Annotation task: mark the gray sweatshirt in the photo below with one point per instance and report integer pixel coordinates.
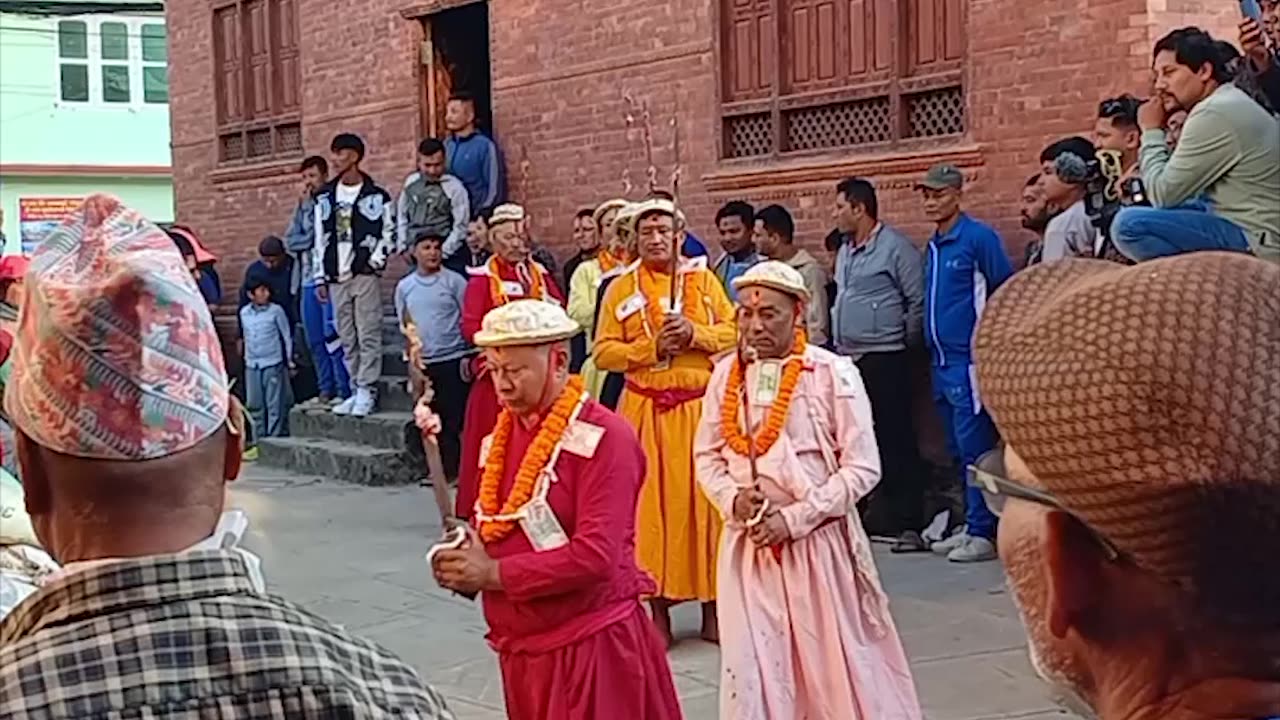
(879, 303)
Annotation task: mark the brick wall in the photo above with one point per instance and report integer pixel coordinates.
(1036, 69)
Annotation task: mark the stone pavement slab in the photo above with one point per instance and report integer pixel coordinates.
(355, 555)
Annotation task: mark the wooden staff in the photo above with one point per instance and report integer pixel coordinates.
(675, 194)
(422, 389)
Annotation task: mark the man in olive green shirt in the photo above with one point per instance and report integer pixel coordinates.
(1229, 152)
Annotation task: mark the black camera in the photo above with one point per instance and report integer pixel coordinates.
(1106, 193)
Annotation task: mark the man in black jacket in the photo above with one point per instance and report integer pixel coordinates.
(355, 233)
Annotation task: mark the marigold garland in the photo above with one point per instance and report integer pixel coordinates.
(607, 261)
(499, 295)
(531, 465)
(654, 287)
(776, 417)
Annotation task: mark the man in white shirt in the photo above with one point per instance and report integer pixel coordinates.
(1065, 166)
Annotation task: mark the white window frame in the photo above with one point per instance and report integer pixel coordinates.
(135, 63)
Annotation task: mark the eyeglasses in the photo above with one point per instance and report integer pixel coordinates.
(996, 490)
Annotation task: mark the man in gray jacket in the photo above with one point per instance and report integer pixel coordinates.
(877, 315)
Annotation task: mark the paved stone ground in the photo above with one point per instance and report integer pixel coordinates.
(355, 555)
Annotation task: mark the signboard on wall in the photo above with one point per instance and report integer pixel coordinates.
(37, 216)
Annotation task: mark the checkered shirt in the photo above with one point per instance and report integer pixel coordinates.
(187, 637)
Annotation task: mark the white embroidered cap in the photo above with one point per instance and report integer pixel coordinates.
(606, 206)
(505, 213)
(622, 221)
(660, 206)
(775, 275)
(525, 322)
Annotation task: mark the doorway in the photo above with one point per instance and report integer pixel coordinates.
(455, 58)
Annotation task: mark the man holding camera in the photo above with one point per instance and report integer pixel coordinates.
(1229, 151)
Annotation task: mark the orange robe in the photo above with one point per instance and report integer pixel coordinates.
(677, 529)
(482, 401)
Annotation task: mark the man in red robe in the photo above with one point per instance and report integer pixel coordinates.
(510, 274)
(551, 546)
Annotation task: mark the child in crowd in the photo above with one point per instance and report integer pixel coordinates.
(267, 347)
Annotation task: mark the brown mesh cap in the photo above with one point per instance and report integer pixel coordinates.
(1147, 399)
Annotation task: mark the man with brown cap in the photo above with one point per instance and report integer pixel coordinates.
(1140, 486)
(127, 435)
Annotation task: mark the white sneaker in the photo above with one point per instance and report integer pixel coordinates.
(345, 407)
(978, 549)
(365, 400)
(945, 547)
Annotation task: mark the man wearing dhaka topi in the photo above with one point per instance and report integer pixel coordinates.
(552, 551)
(511, 274)
(662, 334)
(785, 449)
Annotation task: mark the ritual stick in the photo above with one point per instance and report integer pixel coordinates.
(746, 356)
(424, 392)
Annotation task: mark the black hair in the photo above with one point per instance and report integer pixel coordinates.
(1231, 58)
(430, 146)
(428, 236)
(777, 220)
(1032, 180)
(860, 191)
(660, 194)
(317, 162)
(1194, 48)
(254, 281)
(1076, 145)
(483, 214)
(183, 245)
(271, 246)
(463, 96)
(1122, 111)
(833, 240)
(739, 209)
(585, 213)
(348, 141)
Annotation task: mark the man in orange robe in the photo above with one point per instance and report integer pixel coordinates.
(510, 274)
(553, 550)
(664, 346)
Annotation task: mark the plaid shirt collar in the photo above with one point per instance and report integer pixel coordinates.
(125, 584)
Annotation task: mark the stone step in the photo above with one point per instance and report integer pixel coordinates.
(385, 430)
(345, 462)
(393, 360)
(393, 394)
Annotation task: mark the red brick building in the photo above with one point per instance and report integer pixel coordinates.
(771, 100)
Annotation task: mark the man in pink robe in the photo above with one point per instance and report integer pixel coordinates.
(805, 630)
(560, 584)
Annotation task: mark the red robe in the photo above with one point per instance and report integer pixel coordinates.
(573, 641)
(482, 402)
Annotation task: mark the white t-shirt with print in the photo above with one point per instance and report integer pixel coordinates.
(346, 203)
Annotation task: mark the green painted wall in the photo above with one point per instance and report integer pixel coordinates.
(153, 197)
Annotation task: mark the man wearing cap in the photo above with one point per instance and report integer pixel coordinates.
(612, 383)
(584, 283)
(510, 274)
(124, 416)
(785, 449)
(1138, 507)
(964, 264)
(552, 552)
(664, 341)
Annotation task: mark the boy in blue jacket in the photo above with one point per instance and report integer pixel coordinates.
(964, 264)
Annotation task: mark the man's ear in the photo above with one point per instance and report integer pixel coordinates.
(233, 446)
(1075, 574)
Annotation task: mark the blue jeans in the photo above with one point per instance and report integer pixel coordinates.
(317, 324)
(970, 433)
(1145, 233)
(268, 398)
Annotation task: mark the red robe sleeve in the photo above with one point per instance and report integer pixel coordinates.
(475, 303)
(605, 495)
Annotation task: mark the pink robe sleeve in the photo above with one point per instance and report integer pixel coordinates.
(605, 506)
(855, 449)
(708, 444)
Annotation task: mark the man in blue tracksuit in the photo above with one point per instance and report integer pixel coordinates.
(964, 264)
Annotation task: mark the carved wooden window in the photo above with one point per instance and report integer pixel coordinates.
(257, 81)
(812, 75)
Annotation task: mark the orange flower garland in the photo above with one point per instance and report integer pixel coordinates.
(776, 417)
(499, 295)
(607, 261)
(653, 288)
(531, 465)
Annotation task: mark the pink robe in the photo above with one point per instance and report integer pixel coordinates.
(573, 641)
(807, 636)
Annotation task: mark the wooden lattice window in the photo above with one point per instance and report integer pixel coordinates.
(813, 75)
(257, 82)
